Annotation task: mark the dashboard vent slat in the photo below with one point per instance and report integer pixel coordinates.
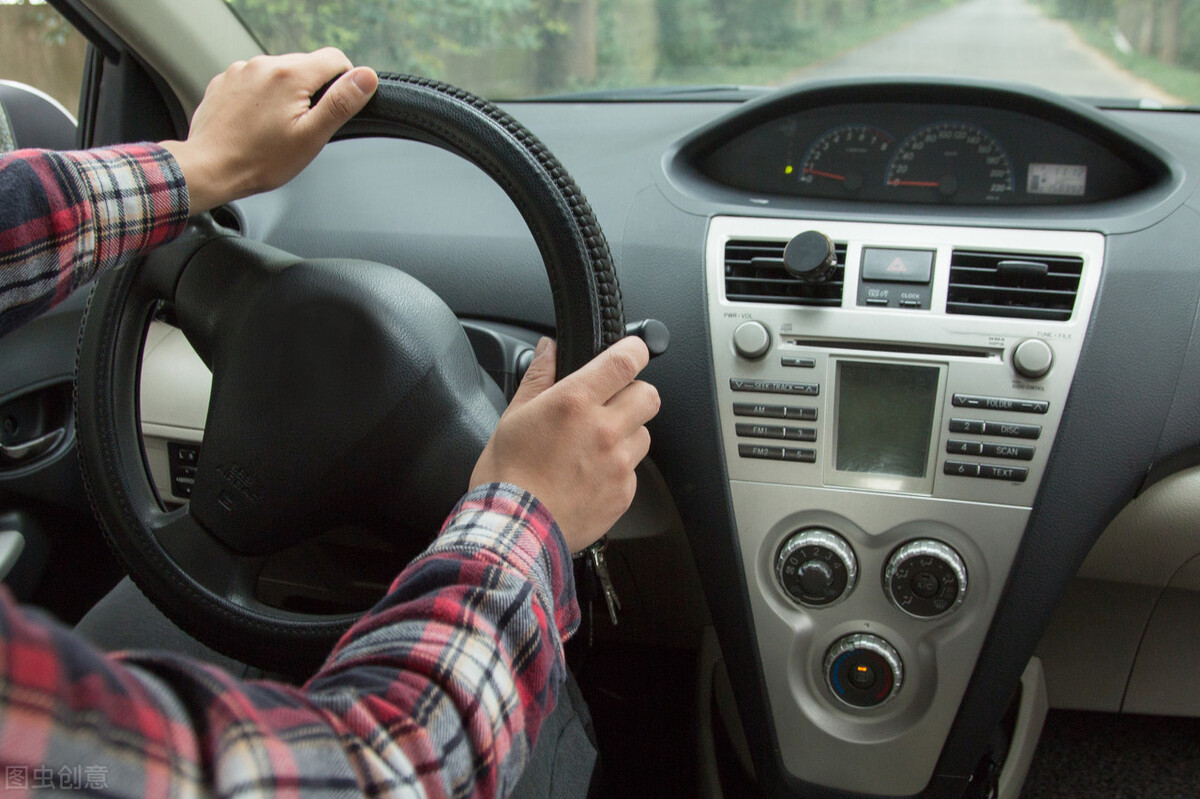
(754, 272)
(1015, 285)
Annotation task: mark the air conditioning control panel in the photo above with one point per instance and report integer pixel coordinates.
(886, 427)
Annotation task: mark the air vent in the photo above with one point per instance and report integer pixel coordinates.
(754, 273)
(1013, 284)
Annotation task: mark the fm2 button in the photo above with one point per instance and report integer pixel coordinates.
(751, 340)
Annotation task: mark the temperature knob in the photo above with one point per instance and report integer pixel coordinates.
(863, 670)
(926, 579)
(816, 567)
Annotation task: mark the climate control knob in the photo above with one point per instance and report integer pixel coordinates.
(863, 670)
(816, 567)
(926, 579)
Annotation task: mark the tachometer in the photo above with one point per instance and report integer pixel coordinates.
(951, 162)
(842, 160)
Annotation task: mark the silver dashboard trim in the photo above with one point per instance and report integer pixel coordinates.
(981, 519)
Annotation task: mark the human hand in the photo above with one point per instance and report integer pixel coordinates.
(256, 127)
(574, 444)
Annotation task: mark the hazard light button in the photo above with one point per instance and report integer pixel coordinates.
(897, 266)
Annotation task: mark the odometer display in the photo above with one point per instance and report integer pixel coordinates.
(951, 162)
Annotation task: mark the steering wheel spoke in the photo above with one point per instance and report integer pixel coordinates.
(206, 560)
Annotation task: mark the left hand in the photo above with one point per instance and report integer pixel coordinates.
(256, 127)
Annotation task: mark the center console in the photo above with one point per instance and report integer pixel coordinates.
(886, 423)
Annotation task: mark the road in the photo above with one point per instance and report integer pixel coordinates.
(1008, 40)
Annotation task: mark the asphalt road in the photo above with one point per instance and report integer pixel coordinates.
(1009, 40)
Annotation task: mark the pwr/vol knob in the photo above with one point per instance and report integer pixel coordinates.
(816, 567)
(751, 340)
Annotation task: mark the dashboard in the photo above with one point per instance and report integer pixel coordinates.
(886, 475)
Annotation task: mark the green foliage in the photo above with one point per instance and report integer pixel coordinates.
(1157, 39)
(415, 36)
(518, 47)
(50, 27)
(689, 32)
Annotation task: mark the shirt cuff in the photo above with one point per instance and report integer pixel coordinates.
(138, 195)
(512, 524)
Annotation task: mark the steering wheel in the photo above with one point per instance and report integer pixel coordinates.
(344, 391)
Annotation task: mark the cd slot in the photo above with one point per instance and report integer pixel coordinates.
(903, 349)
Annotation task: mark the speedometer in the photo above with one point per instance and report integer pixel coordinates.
(842, 160)
(951, 162)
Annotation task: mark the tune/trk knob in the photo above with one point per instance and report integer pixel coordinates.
(816, 567)
(1032, 358)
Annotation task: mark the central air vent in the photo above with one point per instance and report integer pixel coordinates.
(1013, 284)
(754, 272)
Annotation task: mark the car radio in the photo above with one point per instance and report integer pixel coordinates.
(889, 396)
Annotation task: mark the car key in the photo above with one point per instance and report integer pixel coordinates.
(596, 561)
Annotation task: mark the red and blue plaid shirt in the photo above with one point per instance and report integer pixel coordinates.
(438, 691)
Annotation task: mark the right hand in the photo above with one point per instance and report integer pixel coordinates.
(574, 444)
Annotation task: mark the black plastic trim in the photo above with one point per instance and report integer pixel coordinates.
(684, 182)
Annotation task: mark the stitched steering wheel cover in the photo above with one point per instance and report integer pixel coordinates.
(588, 312)
(583, 280)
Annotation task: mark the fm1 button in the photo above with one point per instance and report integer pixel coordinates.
(751, 340)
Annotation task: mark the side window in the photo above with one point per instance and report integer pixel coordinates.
(40, 49)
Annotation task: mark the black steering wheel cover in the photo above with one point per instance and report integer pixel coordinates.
(588, 314)
(583, 280)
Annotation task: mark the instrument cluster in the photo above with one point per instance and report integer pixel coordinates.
(935, 154)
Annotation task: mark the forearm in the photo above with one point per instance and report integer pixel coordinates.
(66, 217)
(474, 627)
(439, 690)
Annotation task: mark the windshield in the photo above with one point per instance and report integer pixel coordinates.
(1141, 51)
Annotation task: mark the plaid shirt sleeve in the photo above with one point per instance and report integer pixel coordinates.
(438, 691)
(67, 216)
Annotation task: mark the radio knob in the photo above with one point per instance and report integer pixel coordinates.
(816, 568)
(863, 670)
(752, 340)
(926, 579)
(1032, 358)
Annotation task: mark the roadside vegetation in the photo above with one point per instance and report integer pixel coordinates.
(1157, 40)
(516, 48)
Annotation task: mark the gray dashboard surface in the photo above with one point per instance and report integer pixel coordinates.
(429, 213)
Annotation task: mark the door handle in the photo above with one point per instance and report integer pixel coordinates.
(11, 545)
(33, 447)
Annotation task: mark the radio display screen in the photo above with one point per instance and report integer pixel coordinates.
(885, 417)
